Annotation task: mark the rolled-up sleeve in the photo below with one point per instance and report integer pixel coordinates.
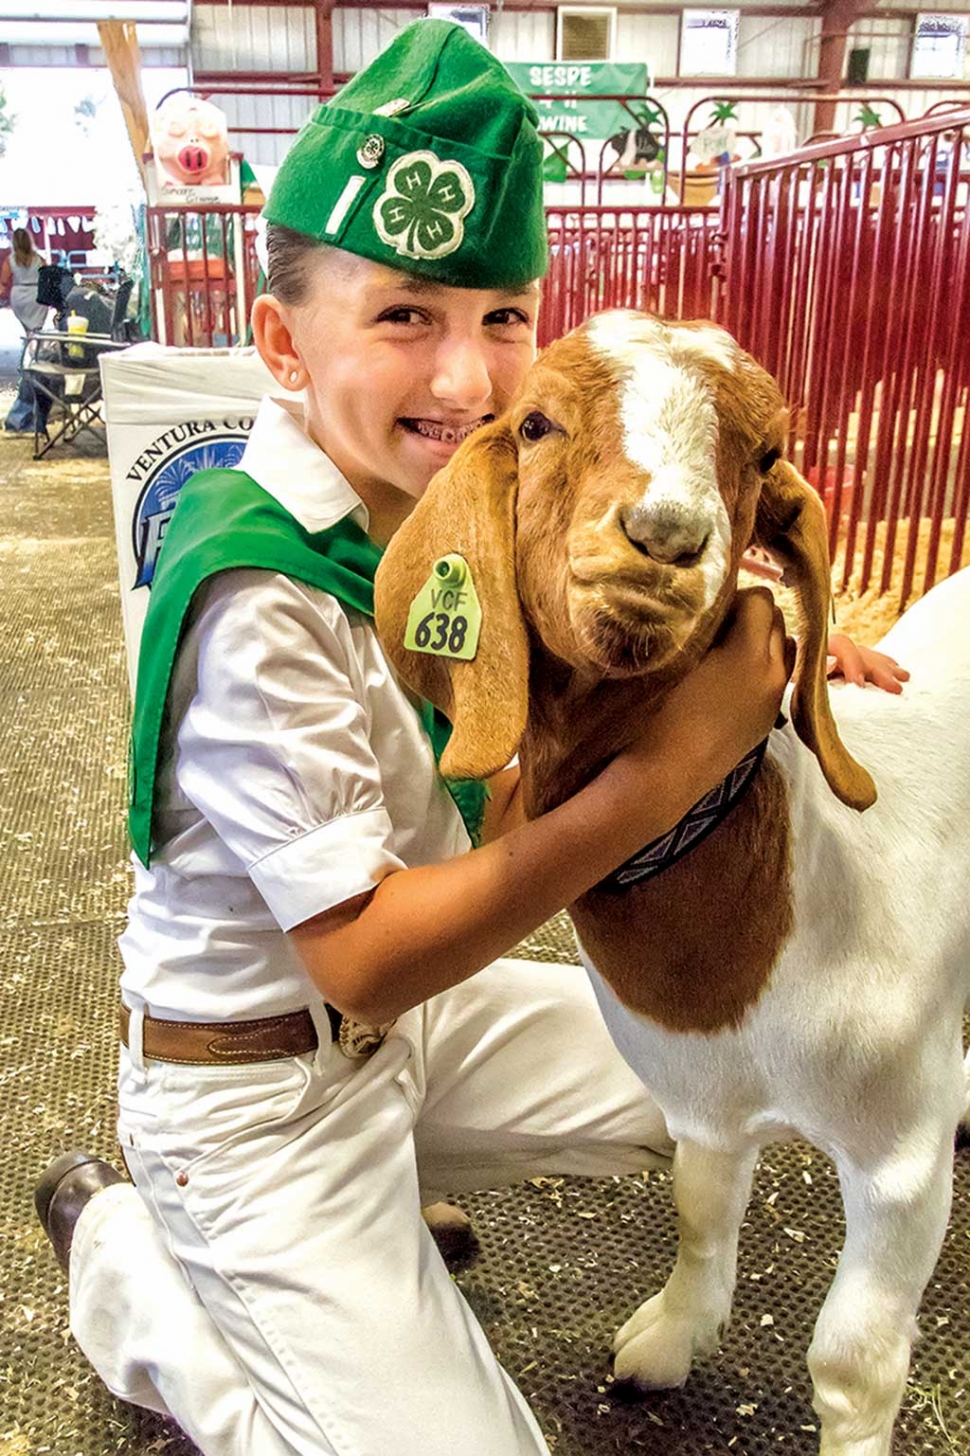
(274, 748)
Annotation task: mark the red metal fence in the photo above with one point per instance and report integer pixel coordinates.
(844, 268)
(847, 274)
(661, 260)
(203, 273)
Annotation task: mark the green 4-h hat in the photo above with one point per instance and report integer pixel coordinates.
(428, 160)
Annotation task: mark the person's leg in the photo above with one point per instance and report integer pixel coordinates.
(519, 1077)
(20, 418)
(143, 1328)
(289, 1198)
(301, 1233)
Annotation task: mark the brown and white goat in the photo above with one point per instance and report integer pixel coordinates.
(803, 970)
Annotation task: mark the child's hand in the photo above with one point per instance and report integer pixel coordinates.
(705, 723)
(860, 665)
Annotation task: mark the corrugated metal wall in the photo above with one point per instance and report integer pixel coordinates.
(651, 38)
(253, 38)
(257, 38)
(766, 47)
(284, 115)
(887, 40)
(359, 35)
(522, 36)
(283, 38)
(778, 46)
(42, 55)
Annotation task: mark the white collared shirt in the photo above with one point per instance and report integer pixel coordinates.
(294, 770)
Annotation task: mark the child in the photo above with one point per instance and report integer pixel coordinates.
(318, 1035)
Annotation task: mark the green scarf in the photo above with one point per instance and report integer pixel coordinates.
(225, 520)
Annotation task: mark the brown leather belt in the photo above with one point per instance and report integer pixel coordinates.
(223, 1043)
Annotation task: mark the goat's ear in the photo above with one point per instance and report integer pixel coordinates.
(790, 522)
(468, 509)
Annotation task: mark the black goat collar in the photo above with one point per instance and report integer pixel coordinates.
(695, 826)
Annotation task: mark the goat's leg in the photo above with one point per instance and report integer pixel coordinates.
(896, 1213)
(657, 1345)
(963, 1129)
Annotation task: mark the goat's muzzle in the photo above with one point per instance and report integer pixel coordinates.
(629, 613)
(665, 533)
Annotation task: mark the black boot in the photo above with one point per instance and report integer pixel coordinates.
(64, 1191)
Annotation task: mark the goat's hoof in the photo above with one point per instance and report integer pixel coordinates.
(653, 1350)
(878, 1445)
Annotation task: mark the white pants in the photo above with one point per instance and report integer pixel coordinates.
(271, 1284)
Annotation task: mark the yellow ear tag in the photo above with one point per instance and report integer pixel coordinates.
(445, 619)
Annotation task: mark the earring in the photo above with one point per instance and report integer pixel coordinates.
(294, 375)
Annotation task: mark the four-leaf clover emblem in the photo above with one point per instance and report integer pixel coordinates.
(421, 212)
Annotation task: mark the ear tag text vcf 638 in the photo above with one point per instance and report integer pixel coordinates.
(445, 619)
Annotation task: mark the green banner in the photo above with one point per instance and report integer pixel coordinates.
(572, 80)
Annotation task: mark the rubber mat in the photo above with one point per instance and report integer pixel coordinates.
(563, 1261)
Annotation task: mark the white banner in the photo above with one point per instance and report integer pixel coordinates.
(169, 412)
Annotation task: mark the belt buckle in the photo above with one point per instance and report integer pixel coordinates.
(358, 1041)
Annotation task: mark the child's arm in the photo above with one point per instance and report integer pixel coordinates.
(503, 809)
(856, 664)
(860, 665)
(846, 659)
(423, 930)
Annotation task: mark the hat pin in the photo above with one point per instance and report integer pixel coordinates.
(371, 152)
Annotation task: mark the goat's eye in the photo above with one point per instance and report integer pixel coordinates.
(768, 460)
(535, 426)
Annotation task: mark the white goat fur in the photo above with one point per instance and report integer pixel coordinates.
(855, 1044)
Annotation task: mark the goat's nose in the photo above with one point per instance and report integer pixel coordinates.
(665, 531)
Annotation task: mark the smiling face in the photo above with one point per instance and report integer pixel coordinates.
(399, 371)
(642, 447)
(603, 519)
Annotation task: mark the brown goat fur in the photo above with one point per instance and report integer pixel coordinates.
(584, 631)
(710, 928)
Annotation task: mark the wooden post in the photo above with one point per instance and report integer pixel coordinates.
(120, 44)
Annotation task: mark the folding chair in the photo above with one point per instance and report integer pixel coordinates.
(63, 369)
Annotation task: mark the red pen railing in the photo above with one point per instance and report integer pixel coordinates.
(847, 274)
(844, 268)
